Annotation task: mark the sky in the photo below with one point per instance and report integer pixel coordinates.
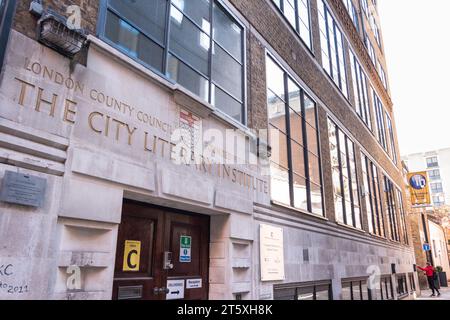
(417, 46)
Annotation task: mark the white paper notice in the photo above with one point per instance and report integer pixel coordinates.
(272, 254)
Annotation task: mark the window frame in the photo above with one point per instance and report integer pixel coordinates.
(7, 10)
(280, 9)
(378, 227)
(104, 7)
(342, 75)
(286, 77)
(358, 75)
(349, 176)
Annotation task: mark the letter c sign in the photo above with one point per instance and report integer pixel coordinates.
(131, 255)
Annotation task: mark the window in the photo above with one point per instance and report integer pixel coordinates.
(402, 288)
(382, 75)
(304, 291)
(391, 209)
(438, 201)
(332, 43)
(432, 162)
(7, 9)
(386, 288)
(412, 283)
(372, 195)
(297, 13)
(345, 180)
(365, 7)
(436, 187)
(379, 117)
(360, 91)
(353, 12)
(296, 178)
(434, 174)
(203, 51)
(393, 149)
(355, 289)
(375, 30)
(403, 224)
(370, 49)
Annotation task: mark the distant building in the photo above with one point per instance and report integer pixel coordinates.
(437, 164)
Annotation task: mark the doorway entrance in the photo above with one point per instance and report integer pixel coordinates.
(161, 254)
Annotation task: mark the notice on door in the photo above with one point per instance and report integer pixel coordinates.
(131, 255)
(185, 249)
(176, 289)
(272, 253)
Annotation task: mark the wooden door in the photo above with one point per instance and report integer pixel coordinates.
(146, 236)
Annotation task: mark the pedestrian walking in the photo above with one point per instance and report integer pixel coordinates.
(430, 272)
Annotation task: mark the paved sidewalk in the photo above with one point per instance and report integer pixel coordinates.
(445, 295)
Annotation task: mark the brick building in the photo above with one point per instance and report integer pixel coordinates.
(99, 200)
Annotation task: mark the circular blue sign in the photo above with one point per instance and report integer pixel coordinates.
(418, 182)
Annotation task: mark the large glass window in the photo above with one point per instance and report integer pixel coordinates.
(432, 162)
(303, 291)
(391, 209)
(297, 13)
(365, 7)
(370, 50)
(345, 180)
(197, 44)
(372, 195)
(382, 74)
(353, 12)
(434, 174)
(392, 148)
(360, 91)
(332, 43)
(402, 216)
(295, 162)
(379, 117)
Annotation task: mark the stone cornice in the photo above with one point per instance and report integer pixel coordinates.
(358, 45)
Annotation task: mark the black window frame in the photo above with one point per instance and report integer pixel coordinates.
(104, 8)
(374, 194)
(339, 146)
(280, 8)
(361, 87)
(287, 76)
(380, 121)
(432, 162)
(391, 135)
(342, 74)
(7, 11)
(391, 208)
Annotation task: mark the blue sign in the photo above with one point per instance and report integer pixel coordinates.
(426, 247)
(418, 182)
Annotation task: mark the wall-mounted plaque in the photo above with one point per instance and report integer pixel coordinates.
(23, 189)
(272, 253)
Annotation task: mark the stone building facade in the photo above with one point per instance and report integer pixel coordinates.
(312, 209)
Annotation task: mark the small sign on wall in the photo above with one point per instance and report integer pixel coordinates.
(131, 256)
(185, 249)
(193, 283)
(271, 253)
(23, 189)
(176, 289)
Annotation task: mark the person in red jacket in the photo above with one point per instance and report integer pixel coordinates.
(429, 272)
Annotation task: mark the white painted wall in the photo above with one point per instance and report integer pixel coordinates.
(439, 246)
